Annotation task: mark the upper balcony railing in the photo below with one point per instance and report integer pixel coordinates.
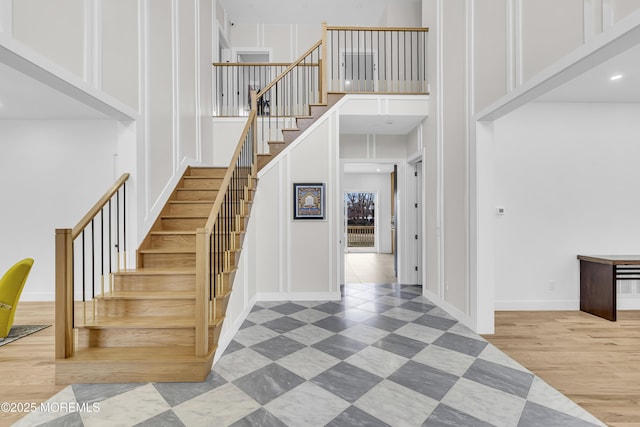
(346, 60)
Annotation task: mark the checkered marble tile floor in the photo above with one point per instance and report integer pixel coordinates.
(382, 356)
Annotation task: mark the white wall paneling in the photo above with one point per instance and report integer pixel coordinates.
(554, 165)
(121, 50)
(64, 166)
(6, 17)
(54, 28)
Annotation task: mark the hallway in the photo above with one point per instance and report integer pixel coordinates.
(374, 268)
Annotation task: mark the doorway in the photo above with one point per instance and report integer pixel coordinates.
(368, 208)
(359, 71)
(360, 215)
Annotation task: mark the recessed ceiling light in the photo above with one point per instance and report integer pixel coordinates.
(615, 77)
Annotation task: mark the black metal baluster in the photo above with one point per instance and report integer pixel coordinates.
(93, 262)
(110, 248)
(83, 270)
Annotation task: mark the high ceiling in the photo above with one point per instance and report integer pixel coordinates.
(334, 12)
(595, 84)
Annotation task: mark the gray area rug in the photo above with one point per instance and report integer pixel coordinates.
(19, 331)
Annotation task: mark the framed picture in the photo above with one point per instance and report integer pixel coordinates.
(308, 201)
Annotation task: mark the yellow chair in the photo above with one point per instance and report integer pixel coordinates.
(11, 286)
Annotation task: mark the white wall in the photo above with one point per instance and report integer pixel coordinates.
(566, 175)
(286, 42)
(389, 149)
(297, 260)
(380, 185)
(478, 52)
(54, 28)
(52, 173)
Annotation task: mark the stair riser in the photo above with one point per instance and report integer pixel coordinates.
(145, 307)
(318, 110)
(174, 241)
(147, 283)
(210, 172)
(202, 183)
(135, 337)
(205, 195)
(168, 260)
(220, 307)
(113, 371)
(182, 224)
(290, 135)
(190, 208)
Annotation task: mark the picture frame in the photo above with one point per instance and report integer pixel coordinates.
(308, 201)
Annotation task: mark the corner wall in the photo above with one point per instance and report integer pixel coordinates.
(296, 259)
(53, 171)
(566, 176)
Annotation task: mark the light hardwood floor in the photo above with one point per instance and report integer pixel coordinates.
(593, 361)
(366, 267)
(27, 367)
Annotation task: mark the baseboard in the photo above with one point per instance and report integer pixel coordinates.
(226, 337)
(299, 296)
(628, 303)
(550, 305)
(38, 296)
(453, 311)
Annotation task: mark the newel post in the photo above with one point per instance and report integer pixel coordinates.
(64, 293)
(202, 290)
(323, 65)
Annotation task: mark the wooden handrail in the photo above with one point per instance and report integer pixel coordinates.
(288, 69)
(257, 64)
(417, 29)
(227, 176)
(98, 206)
(251, 64)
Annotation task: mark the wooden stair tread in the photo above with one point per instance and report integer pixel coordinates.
(184, 216)
(156, 271)
(172, 232)
(151, 322)
(147, 322)
(133, 354)
(173, 295)
(168, 251)
(191, 202)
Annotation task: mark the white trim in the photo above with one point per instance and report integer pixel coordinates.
(6, 17)
(227, 336)
(25, 60)
(198, 99)
(93, 43)
(175, 83)
(628, 303)
(440, 151)
(537, 305)
(144, 104)
(284, 178)
(338, 208)
(511, 46)
(519, 54)
(450, 309)
(608, 15)
(469, 111)
(38, 296)
(607, 45)
(299, 296)
(154, 212)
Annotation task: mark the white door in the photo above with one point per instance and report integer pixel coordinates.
(359, 71)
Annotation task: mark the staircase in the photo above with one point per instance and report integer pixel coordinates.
(145, 328)
(302, 124)
(161, 322)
